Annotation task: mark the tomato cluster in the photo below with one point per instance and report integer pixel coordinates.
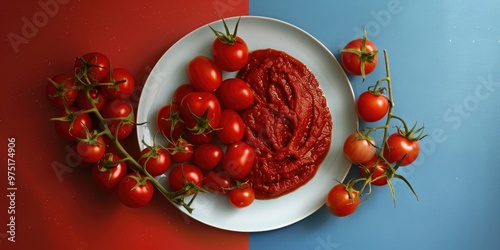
(203, 126)
(378, 161)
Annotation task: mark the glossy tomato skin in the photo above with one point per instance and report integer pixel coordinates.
(135, 191)
(123, 84)
(200, 104)
(376, 166)
(119, 109)
(358, 150)
(156, 161)
(217, 182)
(61, 91)
(238, 160)
(398, 146)
(352, 63)
(91, 152)
(231, 127)
(97, 97)
(235, 94)
(108, 172)
(241, 197)
(169, 122)
(70, 130)
(230, 57)
(182, 91)
(204, 74)
(94, 65)
(188, 172)
(339, 203)
(207, 156)
(180, 150)
(372, 107)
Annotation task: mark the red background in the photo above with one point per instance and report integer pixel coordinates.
(64, 210)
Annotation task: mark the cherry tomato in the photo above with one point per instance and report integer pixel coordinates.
(169, 122)
(200, 112)
(118, 108)
(231, 127)
(94, 66)
(156, 161)
(235, 94)
(61, 91)
(230, 57)
(372, 107)
(198, 139)
(207, 156)
(74, 126)
(376, 166)
(217, 182)
(108, 172)
(238, 160)
(92, 150)
(135, 191)
(241, 197)
(184, 172)
(122, 84)
(358, 149)
(203, 74)
(180, 150)
(182, 91)
(340, 203)
(96, 97)
(399, 146)
(358, 59)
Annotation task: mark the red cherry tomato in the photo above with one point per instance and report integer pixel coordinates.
(108, 172)
(231, 127)
(156, 161)
(376, 167)
(184, 172)
(122, 84)
(61, 91)
(200, 112)
(238, 160)
(399, 146)
(340, 203)
(372, 107)
(182, 91)
(358, 149)
(118, 108)
(241, 197)
(91, 151)
(230, 57)
(217, 182)
(96, 97)
(75, 126)
(203, 74)
(207, 156)
(359, 57)
(135, 191)
(235, 94)
(180, 150)
(169, 122)
(93, 66)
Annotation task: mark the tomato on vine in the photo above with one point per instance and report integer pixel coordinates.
(118, 84)
(372, 106)
(96, 97)
(91, 149)
(377, 169)
(230, 51)
(72, 123)
(359, 56)
(180, 150)
(342, 200)
(359, 148)
(182, 174)
(399, 146)
(155, 160)
(120, 117)
(108, 172)
(135, 190)
(92, 67)
(61, 91)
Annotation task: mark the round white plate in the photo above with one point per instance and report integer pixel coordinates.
(259, 33)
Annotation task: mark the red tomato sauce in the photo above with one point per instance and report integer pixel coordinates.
(289, 124)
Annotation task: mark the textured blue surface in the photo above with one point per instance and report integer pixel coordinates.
(445, 60)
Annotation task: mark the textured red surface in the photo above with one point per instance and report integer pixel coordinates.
(56, 204)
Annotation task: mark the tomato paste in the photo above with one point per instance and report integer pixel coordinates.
(289, 124)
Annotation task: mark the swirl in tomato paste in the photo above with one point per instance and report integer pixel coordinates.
(289, 124)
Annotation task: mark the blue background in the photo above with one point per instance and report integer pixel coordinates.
(444, 58)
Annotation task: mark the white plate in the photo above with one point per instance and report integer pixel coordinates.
(259, 33)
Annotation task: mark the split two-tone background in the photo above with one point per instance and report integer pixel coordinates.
(444, 62)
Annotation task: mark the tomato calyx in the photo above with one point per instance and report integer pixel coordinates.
(363, 55)
(85, 70)
(412, 134)
(174, 118)
(202, 125)
(226, 38)
(61, 90)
